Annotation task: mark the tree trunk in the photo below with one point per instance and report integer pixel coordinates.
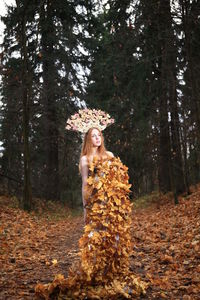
(51, 181)
(169, 86)
(27, 193)
(185, 151)
(165, 168)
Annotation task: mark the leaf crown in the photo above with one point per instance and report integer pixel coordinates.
(86, 118)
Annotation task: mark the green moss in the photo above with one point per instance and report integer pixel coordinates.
(147, 200)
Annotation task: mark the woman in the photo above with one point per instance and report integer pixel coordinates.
(106, 243)
(105, 246)
(93, 146)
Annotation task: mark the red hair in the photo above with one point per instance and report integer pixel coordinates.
(87, 146)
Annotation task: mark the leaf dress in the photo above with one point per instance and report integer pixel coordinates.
(103, 270)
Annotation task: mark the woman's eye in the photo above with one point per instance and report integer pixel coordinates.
(94, 136)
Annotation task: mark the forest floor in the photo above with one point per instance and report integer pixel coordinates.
(166, 247)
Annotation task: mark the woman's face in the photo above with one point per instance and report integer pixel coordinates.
(96, 137)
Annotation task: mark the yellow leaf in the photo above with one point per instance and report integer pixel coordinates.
(88, 228)
(119, 218)
(90, 180)
(117, 200)
(54, 262)
(99, 185)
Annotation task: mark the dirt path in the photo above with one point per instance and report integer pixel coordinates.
(35, 253)
(166, 250)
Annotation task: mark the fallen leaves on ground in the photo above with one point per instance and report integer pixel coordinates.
(33, 249)
(166, 249)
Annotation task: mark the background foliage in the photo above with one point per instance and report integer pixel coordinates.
(137, 60)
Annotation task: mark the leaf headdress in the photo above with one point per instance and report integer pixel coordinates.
(86, 118)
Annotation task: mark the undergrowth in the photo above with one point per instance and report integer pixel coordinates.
(42, 208)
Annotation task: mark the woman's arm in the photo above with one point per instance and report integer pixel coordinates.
(84, 174)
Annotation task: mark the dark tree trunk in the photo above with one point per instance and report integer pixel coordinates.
(177, 162)
(50, 122)
(168, 102)
(164, 167)
(27, 193)
(164, 171)
(185, 150)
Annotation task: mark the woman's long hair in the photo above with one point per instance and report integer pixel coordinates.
(87, 146)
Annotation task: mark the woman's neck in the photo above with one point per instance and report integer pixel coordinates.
(94, 151)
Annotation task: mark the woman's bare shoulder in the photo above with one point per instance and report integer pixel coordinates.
(84, 160)
(110, 154)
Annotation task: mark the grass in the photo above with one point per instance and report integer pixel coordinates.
(147, 200)
(48, 209)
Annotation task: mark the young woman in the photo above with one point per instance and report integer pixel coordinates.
(93, 146)
(105, 246)
(106, 242)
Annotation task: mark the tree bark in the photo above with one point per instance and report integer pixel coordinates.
(164, 167)
(27, 192)
(51, 176)
(169, 101)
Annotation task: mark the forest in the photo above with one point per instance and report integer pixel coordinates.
(137, 60)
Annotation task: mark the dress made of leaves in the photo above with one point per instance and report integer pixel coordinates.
(103, 270)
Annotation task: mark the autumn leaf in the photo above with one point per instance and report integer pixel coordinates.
(54, 262)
